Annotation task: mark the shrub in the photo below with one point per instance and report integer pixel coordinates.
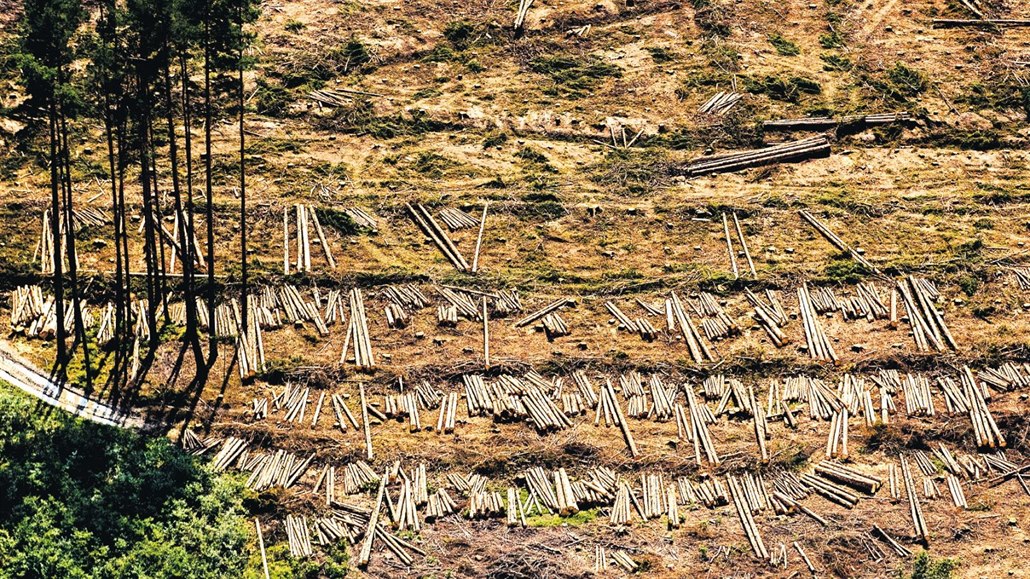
(926, 567)
(783, 46)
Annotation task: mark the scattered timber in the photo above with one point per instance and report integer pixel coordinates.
(421, 216)
(786, 152)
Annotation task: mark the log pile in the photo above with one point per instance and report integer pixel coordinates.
(440, 505)
(720, 103)
(915, 509)
(268, 470)
(985, 429)
(608, 408)
(827, 123)
(747, 521)
(406, 296)
(250, 345)
(928, 327)
(34, 315)
(357, 333)
(362, 218)
(786, 152)
(818, 345)
(456, 219)
(770, 316)
(358, 477)
(298, 536)
(699, 350)
(424, 219)
(554, 326)
(715, 324)
(306, 219)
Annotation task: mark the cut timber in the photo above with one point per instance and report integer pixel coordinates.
(539, 314)
(836, 241)
(261, 545)
(364, 422)
(794, 151)
(366, 547)
(826, 123)
(421, 216)
(520, 15)
(999, 22)
(699, 351)
(479, 239)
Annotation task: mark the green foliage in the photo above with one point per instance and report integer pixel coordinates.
(536, 159)
(460, 33)
(432, 164)
(659, 54)
(495, 139)
(783, 46)
(633, 171)
(553, 520)
(969, 284)
(898, 83)
(294, 26)
(360, 118)
(574, 77)
(832, 38)
(47, 28)
(782, 89)
(546, 206)
(843, 269)
(998, 95)
(272, 99)
(972, 139)
(83, 500)
(354, 55)
(834, 62)
(927, 567)
(338, 220)
(712, 17)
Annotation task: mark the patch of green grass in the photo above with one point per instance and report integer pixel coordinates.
(832, 38)
(969, 284)
(338, 220)
(272, 99)
(294, 26)
(432, 164)
(927, 567)
(574, 77)
(974, 140)
(553, 520)
(495, 139)
(843, 269)
(660, 55)
(536, 159)
(898, 83)
(783, 46)
(835, 62)
(360, 118)
(634, 171)
(426, 93)
(782, 89)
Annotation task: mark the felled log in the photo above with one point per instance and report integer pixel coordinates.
(793, 151)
